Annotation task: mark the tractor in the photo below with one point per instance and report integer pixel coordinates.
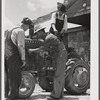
(40, 70)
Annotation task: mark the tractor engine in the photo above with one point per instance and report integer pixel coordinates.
(34, 60)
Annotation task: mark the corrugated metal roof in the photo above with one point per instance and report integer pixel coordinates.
(79, 7)
(74, 9)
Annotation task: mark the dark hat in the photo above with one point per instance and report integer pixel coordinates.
(61, 7)
(27, 21)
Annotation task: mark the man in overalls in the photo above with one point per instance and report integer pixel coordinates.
(59, 21)
(15, 58)
(55, 47)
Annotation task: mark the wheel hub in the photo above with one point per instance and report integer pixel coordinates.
(25, 86)
(80, 77)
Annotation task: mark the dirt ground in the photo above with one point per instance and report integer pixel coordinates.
(40, 94)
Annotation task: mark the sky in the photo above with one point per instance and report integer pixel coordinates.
(15, 10)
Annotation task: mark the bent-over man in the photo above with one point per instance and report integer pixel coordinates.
(15, 58)
(57, 50)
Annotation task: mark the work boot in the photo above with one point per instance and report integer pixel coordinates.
(53, 98)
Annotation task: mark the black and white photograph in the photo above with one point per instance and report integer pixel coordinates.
(47, 50)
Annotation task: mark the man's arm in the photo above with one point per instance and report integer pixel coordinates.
(64, 29)
(21, 44)
(53, 20)
(36, 50)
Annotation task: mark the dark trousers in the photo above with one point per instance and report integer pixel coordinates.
(59, 77)
(13, 76)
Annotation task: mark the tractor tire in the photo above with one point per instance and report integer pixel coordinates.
(27, 85)
(78, 78)
(46, 84)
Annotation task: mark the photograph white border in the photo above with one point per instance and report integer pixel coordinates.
(94, 87)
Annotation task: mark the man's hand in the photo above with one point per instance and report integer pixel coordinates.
(63, 31)
(43, 53)
(24, 64)
(56, 33)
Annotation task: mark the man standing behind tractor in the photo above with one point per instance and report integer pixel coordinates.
(15, 58)
(54, 46)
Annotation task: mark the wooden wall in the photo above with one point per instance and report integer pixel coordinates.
(79, 38)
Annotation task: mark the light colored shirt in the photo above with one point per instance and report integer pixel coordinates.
(53, 19)
(18, 38)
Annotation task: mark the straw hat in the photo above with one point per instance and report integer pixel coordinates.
(38, 28)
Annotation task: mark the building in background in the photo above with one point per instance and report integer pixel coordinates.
(77, 36)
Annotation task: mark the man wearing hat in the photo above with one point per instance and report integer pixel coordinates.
(57, 50)
(15, 58)
(59, 21)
